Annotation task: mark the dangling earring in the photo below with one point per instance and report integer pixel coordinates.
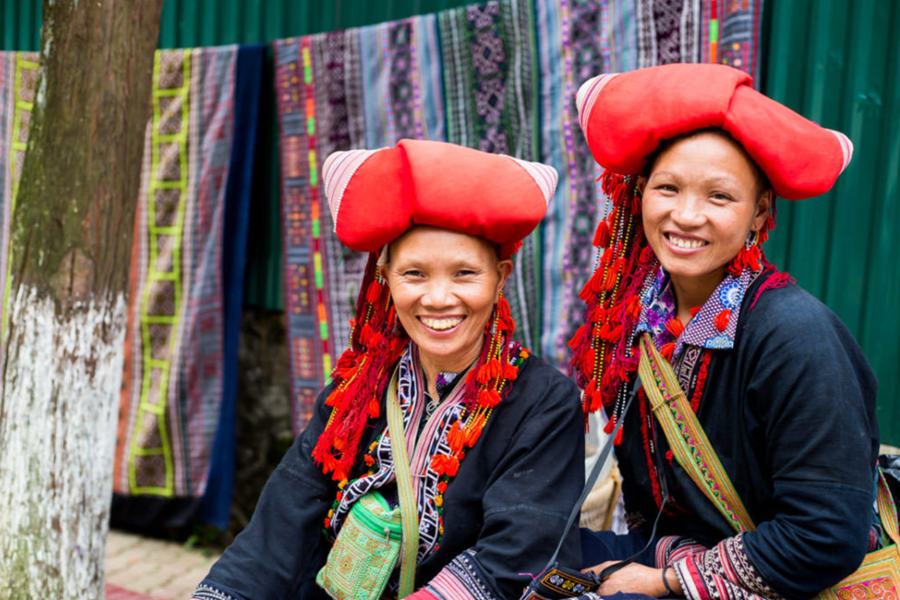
(501, 319)
(748, 257)
(752, 239)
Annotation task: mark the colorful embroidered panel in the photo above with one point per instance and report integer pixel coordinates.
(172, 385)
(499, 76)
(730, 33)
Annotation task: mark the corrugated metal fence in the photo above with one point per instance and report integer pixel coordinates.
(838, 63)
(835, 61)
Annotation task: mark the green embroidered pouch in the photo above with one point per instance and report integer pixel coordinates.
(365, 552)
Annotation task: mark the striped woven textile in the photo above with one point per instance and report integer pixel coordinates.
(189, 246)
(172, 386)
(499, 76)
(18, 79)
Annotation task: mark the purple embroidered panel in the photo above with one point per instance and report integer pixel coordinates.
(701, 331)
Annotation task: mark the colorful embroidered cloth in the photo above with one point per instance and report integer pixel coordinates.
(177, 389)
(499, 76)
(659, 307)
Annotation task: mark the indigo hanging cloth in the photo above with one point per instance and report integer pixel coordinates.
(175, 442)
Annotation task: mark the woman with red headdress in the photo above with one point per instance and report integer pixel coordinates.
(694, 159)
(494, 445)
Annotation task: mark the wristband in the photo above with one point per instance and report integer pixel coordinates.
(671, 592)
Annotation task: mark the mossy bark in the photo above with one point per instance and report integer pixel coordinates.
(70, 248)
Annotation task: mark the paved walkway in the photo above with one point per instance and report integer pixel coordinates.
(139, 568)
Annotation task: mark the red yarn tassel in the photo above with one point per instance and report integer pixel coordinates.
(601, 236)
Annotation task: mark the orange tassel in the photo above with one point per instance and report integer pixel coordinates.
(695, 310)
(722, 319)
(474, 432)
(455, 438)
(675, 327)
(444, 464)
(667, 350)
(488, 398)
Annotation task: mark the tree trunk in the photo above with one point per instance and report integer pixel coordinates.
(71, 240)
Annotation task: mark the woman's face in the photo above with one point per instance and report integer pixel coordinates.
(700, 202)
(444, 285)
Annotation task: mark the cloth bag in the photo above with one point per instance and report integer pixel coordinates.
(374, 537)
(879, 573)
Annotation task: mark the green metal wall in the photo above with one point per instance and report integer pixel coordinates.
(835, 61)
(838, 63)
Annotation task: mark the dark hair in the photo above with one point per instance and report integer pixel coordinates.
(762, 179)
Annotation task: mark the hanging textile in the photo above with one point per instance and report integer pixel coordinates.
(730, 34)
(579, 39)
(18, 79)
(499, 76)
(178, 393)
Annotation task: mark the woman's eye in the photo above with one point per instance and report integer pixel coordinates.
(465, 273)
(413, 273)
(721, 196)
(666, 187)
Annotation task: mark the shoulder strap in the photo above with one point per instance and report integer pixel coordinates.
(686, 437)
(887, 510)
(408, 512)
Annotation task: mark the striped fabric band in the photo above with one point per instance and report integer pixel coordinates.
(846, 147)
(460, 581)
(337, 171)
(587, 95)
(545, 176)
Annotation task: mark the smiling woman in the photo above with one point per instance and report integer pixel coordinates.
(443, 459)
(702, 200)
(444, 286)
(774, 499)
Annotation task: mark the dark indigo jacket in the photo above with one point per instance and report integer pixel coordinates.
(790, 411)
(509, 501)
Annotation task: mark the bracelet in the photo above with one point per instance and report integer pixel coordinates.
(666, 582)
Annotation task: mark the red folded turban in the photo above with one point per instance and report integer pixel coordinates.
(376, 195)
(625, 116)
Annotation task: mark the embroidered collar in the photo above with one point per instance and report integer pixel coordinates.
(658, 301)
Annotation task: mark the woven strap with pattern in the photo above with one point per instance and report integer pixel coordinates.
(408, 512)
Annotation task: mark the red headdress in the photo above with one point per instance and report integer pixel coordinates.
(375, 196)
(800, 159)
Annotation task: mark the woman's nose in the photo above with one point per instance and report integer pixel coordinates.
(438, 294)
(688, 211)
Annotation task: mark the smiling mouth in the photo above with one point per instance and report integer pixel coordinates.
(441, 324)
(684, 242)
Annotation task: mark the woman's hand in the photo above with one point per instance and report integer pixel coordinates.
(637, 579)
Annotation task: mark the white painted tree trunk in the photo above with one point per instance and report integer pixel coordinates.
(57, 421)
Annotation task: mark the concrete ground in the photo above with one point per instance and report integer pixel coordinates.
(139, 568)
